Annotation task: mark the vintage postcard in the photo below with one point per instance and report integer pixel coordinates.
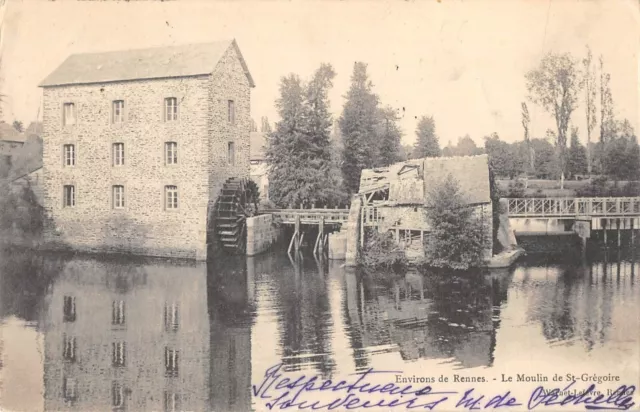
(319, 205)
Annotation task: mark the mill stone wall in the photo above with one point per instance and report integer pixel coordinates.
(228, 82)
(143, 226)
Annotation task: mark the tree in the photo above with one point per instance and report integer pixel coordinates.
(589, 83)
(17, 124)
(358, 127)
(466, 147)
(546, 161)
(427, 144)
(622, 154)
(554, 85)
(282, 144)
(530, 155)
(406, 152)
(254, 126)
(265, 126)
(458, 238)
(577, 160)
(389, 135)
(299, 151)
(607, 120)
(505, 160)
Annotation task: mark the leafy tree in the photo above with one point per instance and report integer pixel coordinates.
(506, 160)
(466, 147)
(17, 124)
(265, 126)
(546, 161)
(577, 159)
(299, 151)
(607, 120)
(389, 135)
(529, 154)
(427, 144)
(589, 83)
(458, 238)
(554, 85)
(358, 128)
(406, 152)
(622, 154)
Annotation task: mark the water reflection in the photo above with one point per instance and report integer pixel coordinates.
(131, 335)
(145, 334)
(426, 317)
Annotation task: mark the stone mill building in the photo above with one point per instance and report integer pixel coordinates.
(138, 145)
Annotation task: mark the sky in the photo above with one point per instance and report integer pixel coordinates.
(462, 62)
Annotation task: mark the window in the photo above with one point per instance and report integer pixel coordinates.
(118, 197)
(69, 389)
(117, 312)
(118, 111)
(171, 153)
(231, 112)
(171, 196)
(171, 319)
(231, 154)
(118, 354)
(69, 196)
(170, 109)
(171, 402)
(171, 361)
(117, 395)
(69, 309)
(68, 114)
(69, 349)
(118, 154)
(69, 155)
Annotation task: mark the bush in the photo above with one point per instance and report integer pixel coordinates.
(21, 214)
(516, 189)
(457, 239)
(382, 252)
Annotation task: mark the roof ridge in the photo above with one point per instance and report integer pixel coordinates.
(138, 49)
(157, 62)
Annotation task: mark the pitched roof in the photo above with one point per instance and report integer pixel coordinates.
(152, 63)
(7, 132)
(471, 172)
(257, 141)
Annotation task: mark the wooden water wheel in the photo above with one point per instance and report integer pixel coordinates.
(238, 200)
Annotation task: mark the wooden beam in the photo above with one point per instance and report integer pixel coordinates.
(321, 235)
(296, 235)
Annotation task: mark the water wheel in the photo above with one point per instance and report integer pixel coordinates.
(238, 200)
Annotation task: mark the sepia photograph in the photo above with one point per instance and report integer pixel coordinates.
(226, 206)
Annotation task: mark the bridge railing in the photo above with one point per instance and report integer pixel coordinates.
(578, 206)
(310, 215)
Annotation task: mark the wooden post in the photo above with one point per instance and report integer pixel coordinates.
(604, 228)
(296, 234)
(633, 233)
(321, 235)
(362, 212)
(618, 230)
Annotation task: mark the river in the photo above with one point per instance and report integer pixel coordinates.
(82, 332)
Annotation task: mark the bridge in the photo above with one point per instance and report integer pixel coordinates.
(592, 207)
(315, 217)
(584, 214)
(309, 216)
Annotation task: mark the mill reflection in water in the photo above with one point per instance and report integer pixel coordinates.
(144, 334)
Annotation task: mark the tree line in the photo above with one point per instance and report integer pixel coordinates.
(316, 160)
